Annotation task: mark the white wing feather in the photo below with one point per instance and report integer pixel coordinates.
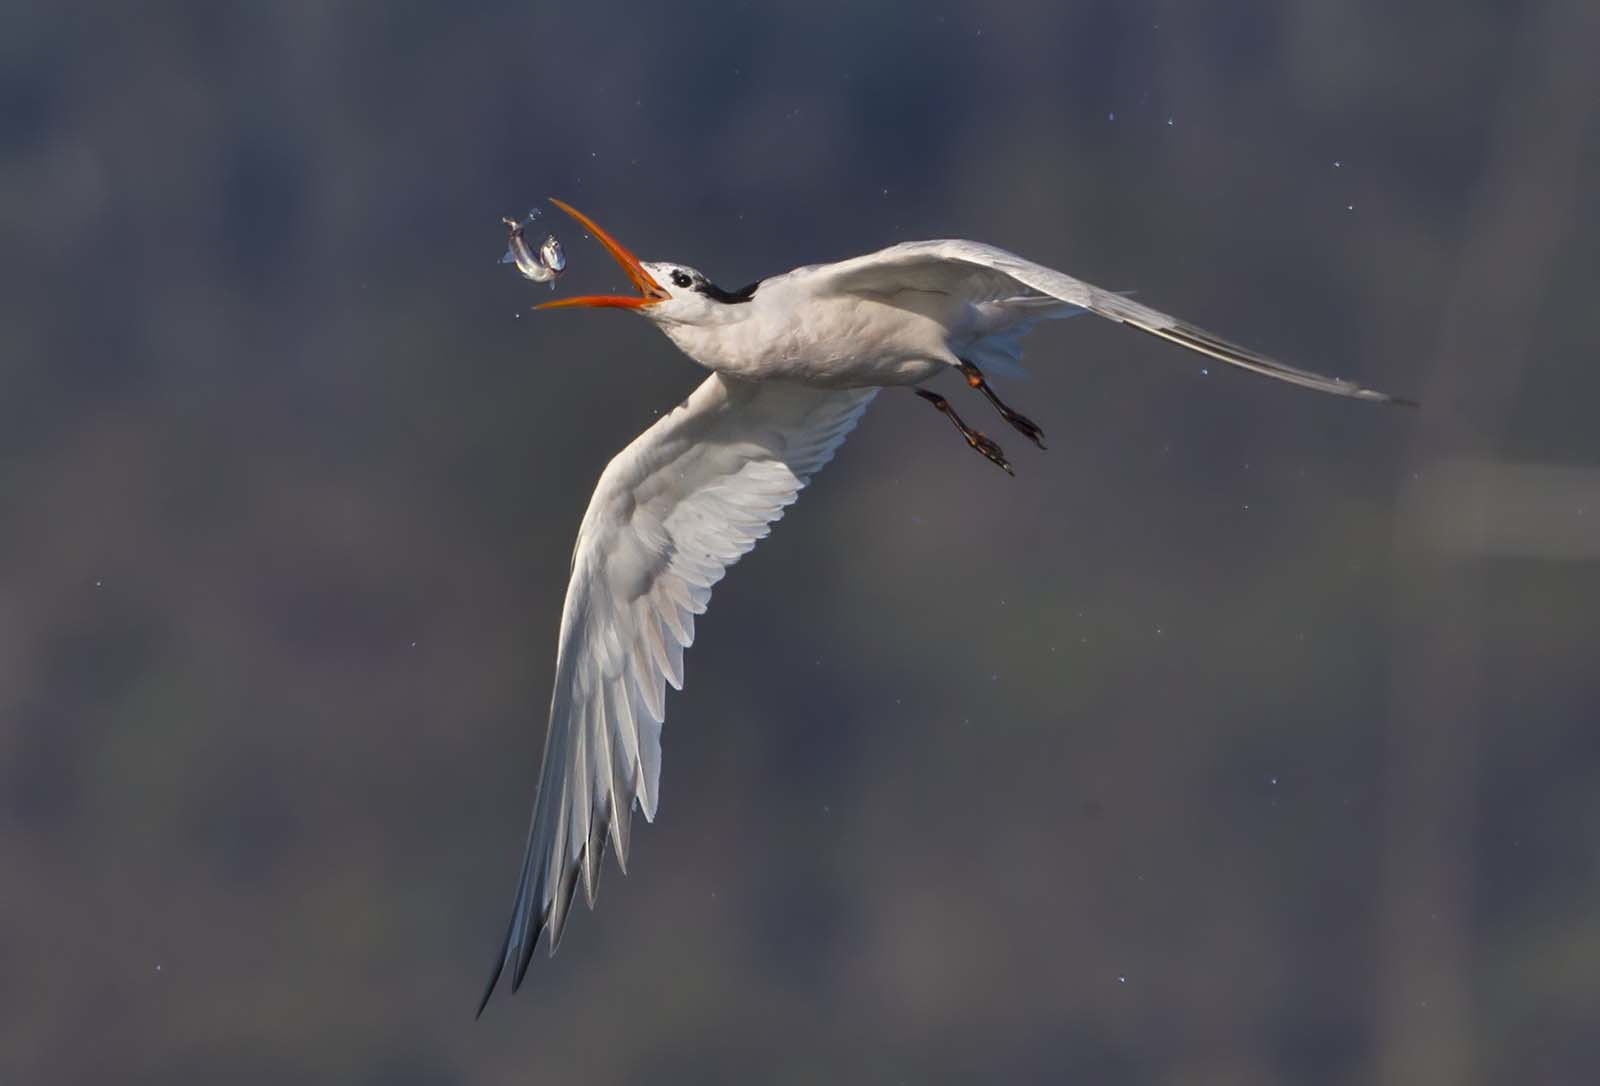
(671, 513)
(1009, 294)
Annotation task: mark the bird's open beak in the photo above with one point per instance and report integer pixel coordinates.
(650, 291)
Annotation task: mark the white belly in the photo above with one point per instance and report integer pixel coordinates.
(835, 342)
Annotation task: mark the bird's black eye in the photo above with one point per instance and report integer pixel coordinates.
(681, 279)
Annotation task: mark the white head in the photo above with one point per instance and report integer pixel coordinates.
(693, 299)
(669, 293)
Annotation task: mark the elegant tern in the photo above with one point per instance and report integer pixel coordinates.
(795, 360)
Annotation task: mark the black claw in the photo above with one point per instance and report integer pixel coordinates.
(991, 450)
(1026, 425)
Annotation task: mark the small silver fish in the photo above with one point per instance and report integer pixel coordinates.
(542, 266)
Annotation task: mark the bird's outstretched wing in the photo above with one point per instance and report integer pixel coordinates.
(671, 513)
(1014, 293)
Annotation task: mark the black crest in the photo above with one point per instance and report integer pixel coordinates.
(727, 297)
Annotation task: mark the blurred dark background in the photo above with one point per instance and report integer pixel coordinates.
(1248, 736)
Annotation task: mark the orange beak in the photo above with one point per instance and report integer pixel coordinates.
(650, 291)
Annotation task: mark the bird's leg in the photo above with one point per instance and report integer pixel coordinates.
(975, 439)
(974, 378)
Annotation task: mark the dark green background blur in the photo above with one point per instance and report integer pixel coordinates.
(1247, 736)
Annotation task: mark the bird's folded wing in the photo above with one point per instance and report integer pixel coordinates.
(671, 513)
(991, 277)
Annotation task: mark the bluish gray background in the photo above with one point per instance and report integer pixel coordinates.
(1247, 736)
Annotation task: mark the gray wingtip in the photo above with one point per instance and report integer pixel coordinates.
(488, 990)
(1374, 396)
(500, 960)
(525, 954)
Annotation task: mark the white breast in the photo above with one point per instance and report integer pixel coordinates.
(837, 341)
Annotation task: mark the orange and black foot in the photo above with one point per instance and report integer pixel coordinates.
(974, 378)
(988, 448)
